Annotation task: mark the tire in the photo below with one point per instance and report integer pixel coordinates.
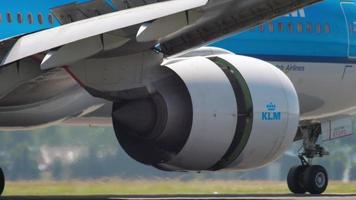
(294, 180)
(2, 181)
(315, 179)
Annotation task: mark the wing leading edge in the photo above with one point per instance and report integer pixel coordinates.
(177, 25)
(52, 38)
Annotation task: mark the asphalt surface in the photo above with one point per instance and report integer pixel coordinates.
(187, 197)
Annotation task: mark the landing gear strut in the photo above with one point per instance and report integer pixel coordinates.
(2, 181)
(307, 177)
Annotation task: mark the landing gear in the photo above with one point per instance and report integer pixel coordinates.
(315, 179)
(2, 181)
(295, 180)
(307, 177)
(312, 179)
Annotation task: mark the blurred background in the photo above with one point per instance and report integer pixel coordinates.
(86, 153)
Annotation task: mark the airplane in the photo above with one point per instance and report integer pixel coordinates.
(201, 85)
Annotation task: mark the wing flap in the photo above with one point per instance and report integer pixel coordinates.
(74, 12)
(125, 4)
(62, 35)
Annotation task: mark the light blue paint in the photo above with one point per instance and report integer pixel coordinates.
(271, 113)
(335, 46)
(271, 116)
(295, 45)
(29, 6)
(349, 9)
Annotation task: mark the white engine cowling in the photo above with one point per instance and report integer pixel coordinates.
(225, 112)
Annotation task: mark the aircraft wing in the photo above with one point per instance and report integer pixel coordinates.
(174, 25)
(62, 35)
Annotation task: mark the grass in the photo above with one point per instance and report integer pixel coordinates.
(147, 187)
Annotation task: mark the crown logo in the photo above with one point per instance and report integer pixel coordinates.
(271, 107)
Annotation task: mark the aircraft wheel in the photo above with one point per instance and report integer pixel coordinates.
(294, 180)
(315, 179)
(2, 181)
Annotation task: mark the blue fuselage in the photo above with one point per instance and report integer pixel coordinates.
(325, 32)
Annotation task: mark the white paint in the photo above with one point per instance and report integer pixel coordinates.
(72, 52)
(297, 13)
(336, 128)
(294, 14)
(62, 35)
(268, 139)
(325, 90)
(162, 27)
(302, 13)
(214, 114)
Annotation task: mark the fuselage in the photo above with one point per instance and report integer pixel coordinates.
(315, 46)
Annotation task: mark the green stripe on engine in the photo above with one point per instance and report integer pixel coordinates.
(245, 113)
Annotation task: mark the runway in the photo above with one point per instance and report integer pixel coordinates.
(188, 197)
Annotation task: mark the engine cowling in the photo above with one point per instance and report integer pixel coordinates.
(211, 113)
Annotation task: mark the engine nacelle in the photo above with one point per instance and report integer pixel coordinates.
(211, 113)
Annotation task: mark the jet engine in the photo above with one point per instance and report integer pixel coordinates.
(211, 113)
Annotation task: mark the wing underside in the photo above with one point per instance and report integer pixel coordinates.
(173, 25)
